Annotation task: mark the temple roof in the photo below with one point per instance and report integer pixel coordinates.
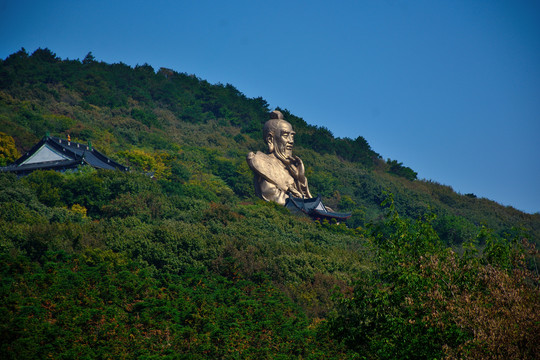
(314, 208)
(53, 153)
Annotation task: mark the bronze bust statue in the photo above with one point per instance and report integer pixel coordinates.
(278, 173)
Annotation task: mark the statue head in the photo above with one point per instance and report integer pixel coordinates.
(279, 136)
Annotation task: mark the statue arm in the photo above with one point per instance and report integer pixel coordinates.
(304, 189)
(271, 192)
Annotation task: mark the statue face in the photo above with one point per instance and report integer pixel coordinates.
(284, 140)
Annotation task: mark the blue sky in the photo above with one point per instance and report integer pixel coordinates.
(449, 88)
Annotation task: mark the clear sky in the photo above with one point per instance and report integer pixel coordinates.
(451, 88)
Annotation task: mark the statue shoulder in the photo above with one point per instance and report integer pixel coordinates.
(258, 156)
(259, 161)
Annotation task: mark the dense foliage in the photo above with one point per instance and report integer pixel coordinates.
(424, 301)
(178, 259)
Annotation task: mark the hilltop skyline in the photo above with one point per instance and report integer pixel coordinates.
(450, 90)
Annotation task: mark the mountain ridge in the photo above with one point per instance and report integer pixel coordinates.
(160, 109)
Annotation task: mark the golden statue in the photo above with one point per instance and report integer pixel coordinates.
(278, 174)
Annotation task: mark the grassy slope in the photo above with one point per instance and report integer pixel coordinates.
(180, 265)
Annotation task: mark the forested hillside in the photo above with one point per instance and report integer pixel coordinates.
(178, 258)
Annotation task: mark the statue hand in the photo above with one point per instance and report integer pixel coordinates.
(298, 168)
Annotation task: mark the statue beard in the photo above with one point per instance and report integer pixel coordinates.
(285, 156)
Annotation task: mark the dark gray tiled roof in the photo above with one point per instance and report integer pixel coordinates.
(314, 208)
(64, 155)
